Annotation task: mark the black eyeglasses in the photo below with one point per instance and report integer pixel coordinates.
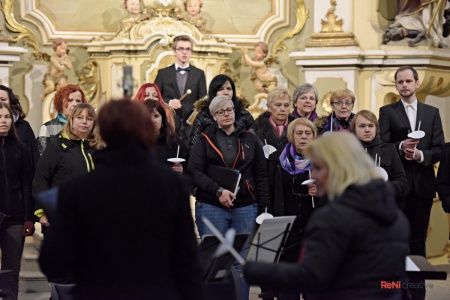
(223, 111)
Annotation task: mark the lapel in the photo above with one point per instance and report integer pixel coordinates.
(420, 113)
(173, 80)
(400, 110)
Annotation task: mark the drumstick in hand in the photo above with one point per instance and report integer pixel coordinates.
(185, 94)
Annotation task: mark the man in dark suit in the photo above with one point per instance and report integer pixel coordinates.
(175, 80)
(397, 120)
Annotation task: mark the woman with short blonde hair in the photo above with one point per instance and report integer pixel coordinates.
(357, 238)
(301, 121)
(271, 126)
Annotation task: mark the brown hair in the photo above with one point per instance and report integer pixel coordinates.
(404, 68)
(179, 38)
(122, 120)
(369, 116)
(167, 121)
(12, 131)
(62, 96)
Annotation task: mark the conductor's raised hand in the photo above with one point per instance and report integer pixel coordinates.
(226, 199)
(175, 104)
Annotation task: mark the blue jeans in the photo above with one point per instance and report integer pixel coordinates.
(242, 219)
(11, 245)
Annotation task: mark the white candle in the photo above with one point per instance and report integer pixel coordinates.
(178, 150)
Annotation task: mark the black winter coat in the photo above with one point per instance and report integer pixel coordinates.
(152, 253)
(250, 161)
(390, 162)
(27, 137)
(16, 174)
(265, 131)
(351, 245)
(62, 159)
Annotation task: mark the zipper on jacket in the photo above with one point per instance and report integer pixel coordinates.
(85, 157)
(220, 153)
(249, 188)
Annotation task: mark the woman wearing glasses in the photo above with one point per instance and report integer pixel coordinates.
(342, 102)
(229, 146)
(220, 85)
(271, 126)
(68, 154)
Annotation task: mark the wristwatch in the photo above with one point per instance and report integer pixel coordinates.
(219, 192)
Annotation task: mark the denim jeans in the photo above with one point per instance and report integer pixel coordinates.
(242, 219)
(11, 245)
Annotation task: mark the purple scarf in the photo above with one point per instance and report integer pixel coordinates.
(312, 117)
(293, 163)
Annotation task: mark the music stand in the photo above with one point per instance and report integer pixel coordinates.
(218, 268)
(269, 240)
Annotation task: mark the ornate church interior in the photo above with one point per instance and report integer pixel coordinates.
(110, 49)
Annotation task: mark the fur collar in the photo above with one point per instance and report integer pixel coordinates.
(200, 104)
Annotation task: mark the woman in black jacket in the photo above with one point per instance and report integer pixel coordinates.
(220, 85)
(16, 203)
(23, 128)
(68, 154)
(356, 241)
(168, 143)
(367, 130)
(229, 146)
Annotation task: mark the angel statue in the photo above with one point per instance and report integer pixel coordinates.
(264, 80)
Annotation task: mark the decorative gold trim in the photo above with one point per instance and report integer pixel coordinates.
(301, 14)
(332, 39)
(332, 23)
(25, 34)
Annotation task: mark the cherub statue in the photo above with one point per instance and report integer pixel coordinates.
(59, 62)
(263, 79)
(192, 9)
(135, 16)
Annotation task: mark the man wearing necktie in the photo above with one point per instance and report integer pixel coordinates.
(397, 120)
(176, 79)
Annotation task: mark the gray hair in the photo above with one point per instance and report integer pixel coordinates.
(217, 103)
(303, 89)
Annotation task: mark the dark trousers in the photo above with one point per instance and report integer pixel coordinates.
(417, 210)
(11, 245)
